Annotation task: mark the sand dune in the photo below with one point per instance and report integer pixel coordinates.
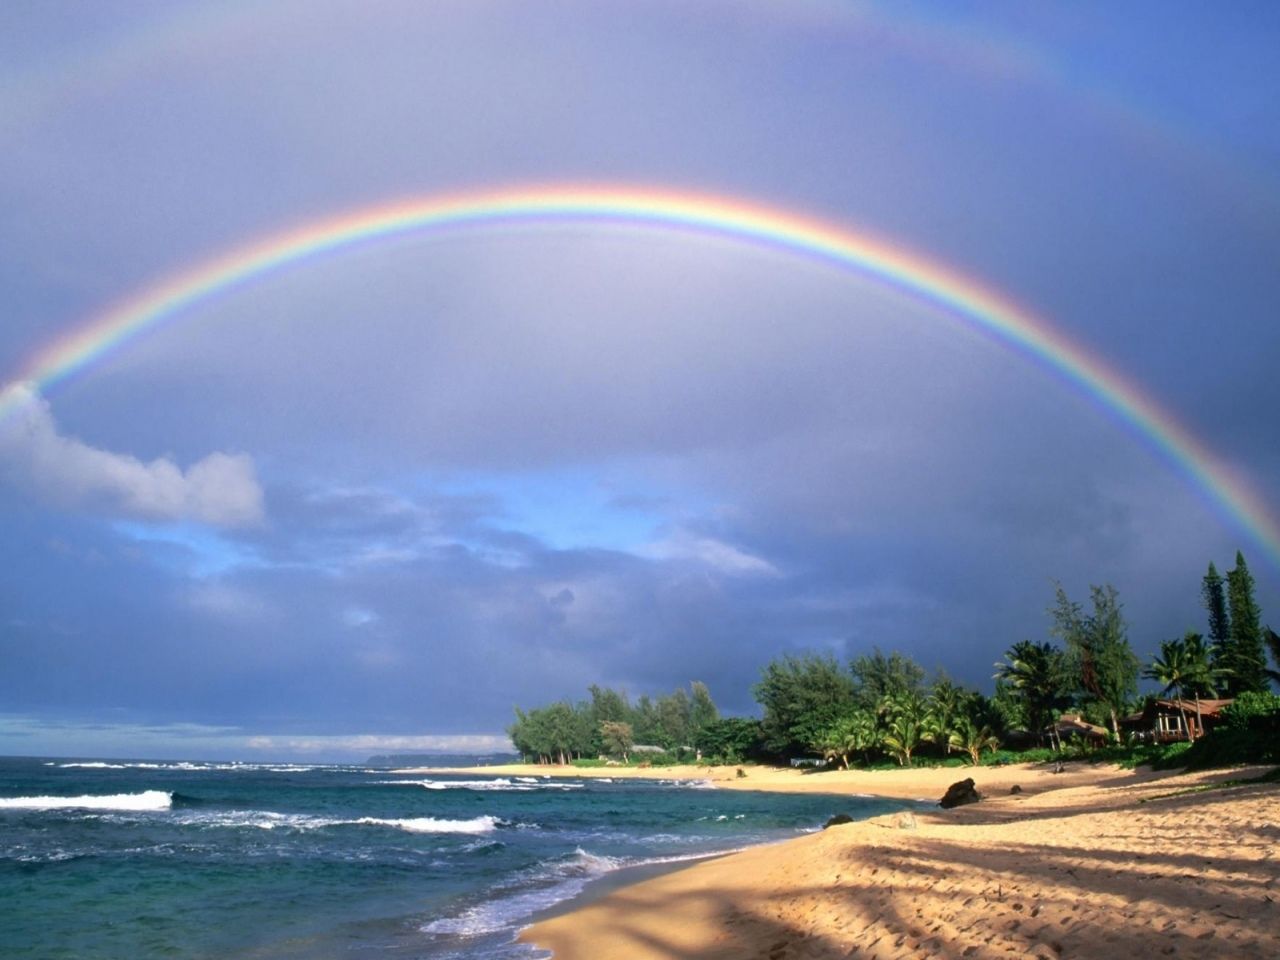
(1107, 866)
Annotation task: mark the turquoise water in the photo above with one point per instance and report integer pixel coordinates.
(116, 859)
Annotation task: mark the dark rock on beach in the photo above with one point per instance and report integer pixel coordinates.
(838, 819)
(959, 794)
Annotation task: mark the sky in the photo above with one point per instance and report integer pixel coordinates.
(370, 501)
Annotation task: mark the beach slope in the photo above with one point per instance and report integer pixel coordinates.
(1118, 867)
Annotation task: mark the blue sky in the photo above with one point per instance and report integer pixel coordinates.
(373, 502)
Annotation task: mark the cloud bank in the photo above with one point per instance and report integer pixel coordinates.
(221, 489)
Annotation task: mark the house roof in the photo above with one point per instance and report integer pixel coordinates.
(1208, 708)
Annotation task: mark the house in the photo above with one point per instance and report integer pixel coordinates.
(1162, 721)
(1073, 725)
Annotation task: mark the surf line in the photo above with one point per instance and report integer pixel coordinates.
(959, 297)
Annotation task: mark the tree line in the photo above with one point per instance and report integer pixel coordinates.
(881, 707)
(608, 724)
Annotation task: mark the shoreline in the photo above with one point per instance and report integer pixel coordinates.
(1107, 864)
(910, 783)
(598, 888)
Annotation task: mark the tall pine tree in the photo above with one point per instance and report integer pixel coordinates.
(1215, 602)
(1246, 658)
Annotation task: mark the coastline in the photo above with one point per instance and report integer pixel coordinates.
(916, 783)
(598, 888)
(1106, 864)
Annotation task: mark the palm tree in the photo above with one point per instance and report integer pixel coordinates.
(857, 731)
(1174, 668)
(973, 739)
(1037, 671)
(946, 704)
(905, 729)
(1200, 675)
(863, 732)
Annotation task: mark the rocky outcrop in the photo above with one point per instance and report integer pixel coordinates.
(838, 819)
(959, 794)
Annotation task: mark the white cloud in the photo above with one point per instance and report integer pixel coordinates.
(227, 602)
(371, 743)
(221, 489)
(358, 617)
(709, 552)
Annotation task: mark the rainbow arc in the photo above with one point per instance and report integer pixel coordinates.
(957, 296)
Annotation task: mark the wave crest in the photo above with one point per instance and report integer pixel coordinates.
(134, 802)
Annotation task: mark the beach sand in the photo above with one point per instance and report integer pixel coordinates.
(1095, 862)
(927, 783)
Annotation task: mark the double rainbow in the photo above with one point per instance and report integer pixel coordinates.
(956, 296)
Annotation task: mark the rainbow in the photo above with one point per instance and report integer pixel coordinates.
(960, 297)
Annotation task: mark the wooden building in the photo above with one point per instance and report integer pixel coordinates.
(1163, 721)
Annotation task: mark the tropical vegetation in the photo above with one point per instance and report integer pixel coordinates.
(884, 708)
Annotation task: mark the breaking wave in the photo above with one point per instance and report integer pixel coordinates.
(132, 802)
(522, 784)
(538, 889)
(267, 820)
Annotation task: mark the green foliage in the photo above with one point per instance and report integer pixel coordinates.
(1244, 660)
(1249, 733)
(561, 732)
(973, 739)
(1215, 604)
(730, 740)
(876, 676)
(1182, 667)
(617, 738)
(553, 734)
(702, 711)
(801, 697)
(905, 725)
(855, 732)
(1032, 681)
(1102, 663)
(674, 720)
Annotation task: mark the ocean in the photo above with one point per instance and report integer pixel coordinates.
(145, 859)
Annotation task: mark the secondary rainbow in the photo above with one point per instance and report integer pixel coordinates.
(955, 295)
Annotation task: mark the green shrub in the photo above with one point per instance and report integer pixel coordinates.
(1249, 733)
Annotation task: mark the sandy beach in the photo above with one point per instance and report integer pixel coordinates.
(1093, 862)
(927, 783)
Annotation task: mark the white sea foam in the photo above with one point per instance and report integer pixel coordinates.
(557, 882)
(552, 883)
(189, 766)
(433, 825)
(501, 784)
(147, 800)
(95, 765)
(260, 819)
(268, 820)
(689, 784)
